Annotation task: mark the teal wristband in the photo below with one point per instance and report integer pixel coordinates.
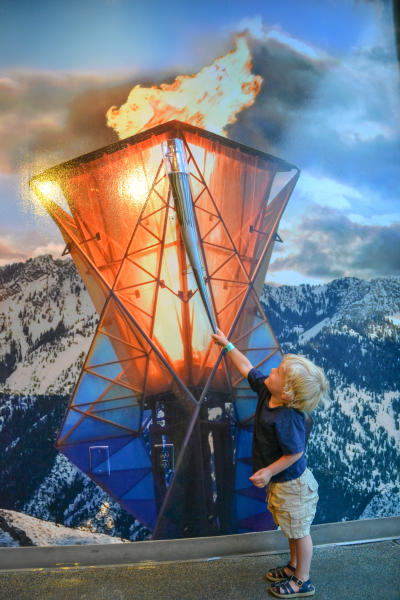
(228, 347)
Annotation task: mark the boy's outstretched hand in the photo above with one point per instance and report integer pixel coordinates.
(220, 338)
(242, 364)
(261, 478)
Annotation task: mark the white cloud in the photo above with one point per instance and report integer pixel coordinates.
(50, 248)
(384, 220)
(261, 33)
(326, 191)
(289, 277)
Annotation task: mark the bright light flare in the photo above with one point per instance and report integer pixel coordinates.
(133, 187)
(44, 193)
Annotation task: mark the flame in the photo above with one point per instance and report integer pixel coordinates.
(210, 99)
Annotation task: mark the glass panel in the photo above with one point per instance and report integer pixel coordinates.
(239, 185)
(95, 285)
(71, 419)
(111, 404)
(89, 389)
(258, 357)
(245, 407)
(101, 351)
(93, 429)
(128, 416)
(99, 458)
(262, 337)
(109, 371)
(132, 454)
(115, 188)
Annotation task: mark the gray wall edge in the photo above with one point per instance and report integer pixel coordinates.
(264, 542)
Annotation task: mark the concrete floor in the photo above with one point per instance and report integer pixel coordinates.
(356, 572)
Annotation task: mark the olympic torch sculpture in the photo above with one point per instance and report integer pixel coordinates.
(172, 231)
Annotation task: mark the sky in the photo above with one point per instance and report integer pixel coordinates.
(329, 103)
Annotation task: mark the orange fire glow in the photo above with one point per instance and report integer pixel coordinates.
(210, 99)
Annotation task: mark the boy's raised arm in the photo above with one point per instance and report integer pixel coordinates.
(242, 363)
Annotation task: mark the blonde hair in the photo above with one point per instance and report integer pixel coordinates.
(305, 383)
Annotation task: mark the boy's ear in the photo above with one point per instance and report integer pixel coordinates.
(287, 395)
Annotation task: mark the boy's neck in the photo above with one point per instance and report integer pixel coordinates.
(275, 402)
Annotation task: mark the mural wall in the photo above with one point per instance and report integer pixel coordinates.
(107, 372)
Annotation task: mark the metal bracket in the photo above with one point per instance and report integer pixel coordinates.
(95, 237)
(67, 249)
(277, 237)
(185, 297)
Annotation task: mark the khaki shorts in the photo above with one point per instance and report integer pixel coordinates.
(293, 504)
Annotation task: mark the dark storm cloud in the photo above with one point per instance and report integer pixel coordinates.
(52, 117)
(372, 162)
(329, 245)
(290, 81)
(350, 129)
(336, 116)
(58, 116)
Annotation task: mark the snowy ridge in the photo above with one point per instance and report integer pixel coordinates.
(19, 529)
(46, 319)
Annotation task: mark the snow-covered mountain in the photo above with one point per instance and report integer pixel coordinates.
(351, 327)
(47, 322)
(19, 529)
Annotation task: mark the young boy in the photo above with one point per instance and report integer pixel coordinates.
(279, 440)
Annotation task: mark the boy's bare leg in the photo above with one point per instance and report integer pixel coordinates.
(293, 557)
(304, 549)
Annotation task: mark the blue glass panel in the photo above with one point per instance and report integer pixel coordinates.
(71, 419)
(92, 429)
(78, 453)
(144, 490)
(89, 389)
(252, 492)
(244, 391)
(112, 404)
(119, 482)
(247, 507)
(245, 408)
(132, 455)
(102, 351)
(117, 391)
(261, 522)
(243, 443)
(272, 362)
(261, 337)
(143, 510)
(258, 318)
(257, 356)
(111, 371)
(243, 472)
(128, 417)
